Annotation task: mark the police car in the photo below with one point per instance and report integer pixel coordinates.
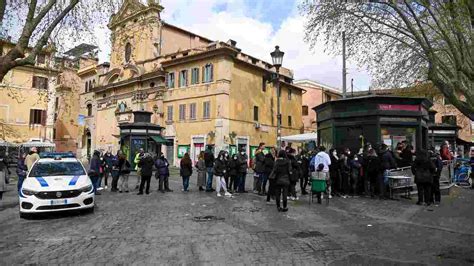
(56, 184)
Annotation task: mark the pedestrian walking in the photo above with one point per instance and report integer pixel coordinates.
(345, 167)
(423, 169)
(320, 163)
(233, 169)
(186, 170)
(282, 171)
(125, 167)
(94, 171)
(136, 161)
(269, 164)
(201, 171)
(242, 157)
(209, 161)
(108, 161)
(219, 171)
(21, 170)
(146, 165)
(435, 189)
(162, 173)
(32, 157)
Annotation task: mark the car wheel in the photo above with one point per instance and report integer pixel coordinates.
(89, 210)
(25, 215)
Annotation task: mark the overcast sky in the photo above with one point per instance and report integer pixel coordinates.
(257, 26)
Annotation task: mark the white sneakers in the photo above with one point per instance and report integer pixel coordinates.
(219, 195)
(227, 194)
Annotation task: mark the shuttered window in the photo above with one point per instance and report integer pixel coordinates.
(195, 76)
(305, 110)
(192, 111)
(255, 113)
(182, 112)
(40, 83)
(183, 78)
(206, 110)
(170, 80)
(37, 117)
(170, 114)
(208, 73)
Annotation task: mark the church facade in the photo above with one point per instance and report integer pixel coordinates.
(201, 92)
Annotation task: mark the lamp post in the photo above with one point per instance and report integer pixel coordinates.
(277, 58)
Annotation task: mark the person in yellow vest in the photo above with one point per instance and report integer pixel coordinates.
(137, 159)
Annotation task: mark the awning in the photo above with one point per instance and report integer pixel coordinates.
(301, 138)
(38, 144)
(159, 139)
(7, 144)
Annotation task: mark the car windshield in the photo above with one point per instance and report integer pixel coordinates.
(57, 169)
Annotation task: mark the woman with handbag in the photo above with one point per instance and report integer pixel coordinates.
(269, 163)
(282, 172)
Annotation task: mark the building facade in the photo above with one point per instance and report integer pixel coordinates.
(201, 92)
(315, 94)
(27, 96)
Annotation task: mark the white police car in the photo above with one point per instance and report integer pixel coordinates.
(56, 184)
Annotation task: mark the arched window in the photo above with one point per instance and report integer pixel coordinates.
(89, 109)
(128, 51)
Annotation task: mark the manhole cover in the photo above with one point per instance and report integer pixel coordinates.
(308, 234)
(207, 218)
(245, 209)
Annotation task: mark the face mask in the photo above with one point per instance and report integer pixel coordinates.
(348, 152)
(242, 153)
(334, 153)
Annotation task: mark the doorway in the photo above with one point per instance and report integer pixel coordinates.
(170, 151)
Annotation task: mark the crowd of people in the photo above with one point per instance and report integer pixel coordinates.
(276, 173)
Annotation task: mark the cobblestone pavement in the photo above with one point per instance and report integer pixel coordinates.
(163, 229)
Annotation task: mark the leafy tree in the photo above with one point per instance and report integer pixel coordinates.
(401, 42)
(39, 22)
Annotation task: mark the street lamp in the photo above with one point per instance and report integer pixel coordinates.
(277, 58)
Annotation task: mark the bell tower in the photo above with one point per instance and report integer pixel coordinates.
(135, 33)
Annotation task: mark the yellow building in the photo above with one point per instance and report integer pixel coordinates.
(202, 92)
(27, 96)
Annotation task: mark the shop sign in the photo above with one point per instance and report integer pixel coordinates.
(399, 107)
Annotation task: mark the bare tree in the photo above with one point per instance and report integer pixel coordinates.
(401, 42)
(40, 22)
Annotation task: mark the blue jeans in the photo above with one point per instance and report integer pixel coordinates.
(185, 183)
(21, 178)
(263, 181)
(242, 182)
(209, 178)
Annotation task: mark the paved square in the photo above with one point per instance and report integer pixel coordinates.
(164, 229)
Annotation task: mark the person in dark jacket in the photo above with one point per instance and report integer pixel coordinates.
(242, 157)
(282, 171)
(356, 167)
(269, 163)
(303, 162)
(233, 168)
(345, 170)
(387, 162)
(186, 170)
(209, 161)
(108, 162)
(435, 190)
(124, 169)
(295, 175)
(94, 171)
(373, 171)
(115, 171)
(4, 172)
(407, 156)
(423, 169)
(202, 170)
(162, 173)
(334, 173)
(21, 170)
(146, 164)
(260, 169)
(220, 169)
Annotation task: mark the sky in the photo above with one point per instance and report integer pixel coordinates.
(257, 26)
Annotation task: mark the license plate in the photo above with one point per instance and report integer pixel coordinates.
(59, 202)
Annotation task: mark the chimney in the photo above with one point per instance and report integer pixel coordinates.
(231, 42)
